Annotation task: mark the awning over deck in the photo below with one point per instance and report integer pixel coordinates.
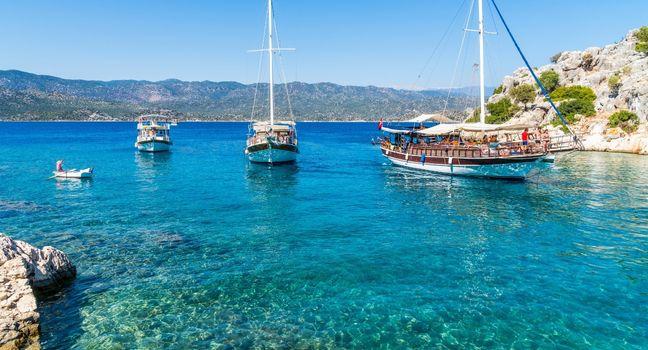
(278, 126)
(395, 131)
(447, 129)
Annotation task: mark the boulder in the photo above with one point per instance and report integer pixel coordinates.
(24, 271)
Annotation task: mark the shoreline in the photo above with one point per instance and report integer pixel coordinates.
(186, 121)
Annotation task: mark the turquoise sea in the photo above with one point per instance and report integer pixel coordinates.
(199, 249)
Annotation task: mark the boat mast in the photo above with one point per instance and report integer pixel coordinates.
(270, 54)
(482, 92)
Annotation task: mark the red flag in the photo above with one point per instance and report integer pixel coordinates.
(380, 124)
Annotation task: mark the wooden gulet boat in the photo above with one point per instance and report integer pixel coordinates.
(473, 149)
(452, 149)
(272, 142)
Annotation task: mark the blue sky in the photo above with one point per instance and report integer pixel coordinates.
(358, 42)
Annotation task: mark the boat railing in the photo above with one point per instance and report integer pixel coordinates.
(563, 143)
(258, 139)
(514, 148)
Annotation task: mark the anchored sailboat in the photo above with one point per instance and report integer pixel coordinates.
(512, 151)
(272, 141)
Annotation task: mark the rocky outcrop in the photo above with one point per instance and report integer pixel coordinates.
(593, 68)
(24, 272)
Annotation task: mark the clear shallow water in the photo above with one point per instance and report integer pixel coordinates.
(198, 248)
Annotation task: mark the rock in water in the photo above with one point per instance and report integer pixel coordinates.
(25, 270)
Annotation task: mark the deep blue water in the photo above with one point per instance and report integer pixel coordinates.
(199, 249)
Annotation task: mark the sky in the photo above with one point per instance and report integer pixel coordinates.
(395, 43)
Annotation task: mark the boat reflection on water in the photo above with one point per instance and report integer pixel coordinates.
(435, 196)
(72, 183)
(152, 165)
(271, 182)
(145, 161)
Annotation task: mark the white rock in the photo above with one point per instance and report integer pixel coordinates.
(24, 269)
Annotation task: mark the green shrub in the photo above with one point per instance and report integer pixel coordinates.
(625, 120)
(501, 111)
(549, 80)
(524, 93)
(642, 38)
(577, 92)
(614, 83)
(498, 90)
(571, 108)
(642, 47)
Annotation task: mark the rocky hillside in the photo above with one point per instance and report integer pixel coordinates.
(26, 96)
(602, 91)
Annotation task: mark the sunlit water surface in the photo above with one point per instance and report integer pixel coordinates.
(198, 248)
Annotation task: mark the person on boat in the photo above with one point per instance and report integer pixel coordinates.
(525, 139)
(493, 143)
(545, 139)
(59, 166)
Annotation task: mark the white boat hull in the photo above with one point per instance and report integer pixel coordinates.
(505, 171)
(153, 146)
(74, 174)
(272, 155)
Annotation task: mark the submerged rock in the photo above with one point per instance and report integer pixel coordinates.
(24, 271)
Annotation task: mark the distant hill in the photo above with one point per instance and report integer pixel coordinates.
(27, 96)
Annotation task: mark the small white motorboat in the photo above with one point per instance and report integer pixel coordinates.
(74, 174)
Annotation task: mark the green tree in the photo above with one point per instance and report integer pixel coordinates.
(524, 93)
(498, 90)
(550, 80)
(642, 37)
(626, 120)
(577, 92)
(501, 111)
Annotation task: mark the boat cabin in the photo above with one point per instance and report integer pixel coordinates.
(151, 128)
(280, 132)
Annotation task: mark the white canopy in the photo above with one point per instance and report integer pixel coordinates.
(395, 131)
(477, 127)
(278, 126)
(445, 129)
(435, 117)
(441, 129)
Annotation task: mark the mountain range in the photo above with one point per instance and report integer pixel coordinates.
(27, 96)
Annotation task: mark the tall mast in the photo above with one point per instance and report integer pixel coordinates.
(482, 92)
(270, 54)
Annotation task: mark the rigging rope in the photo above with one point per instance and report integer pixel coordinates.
(526, 62)
(256, 87)
(454, 73)
(283, 73)
(436, 48)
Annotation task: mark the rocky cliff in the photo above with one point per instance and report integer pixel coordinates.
(617, 75)
(24, 272)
